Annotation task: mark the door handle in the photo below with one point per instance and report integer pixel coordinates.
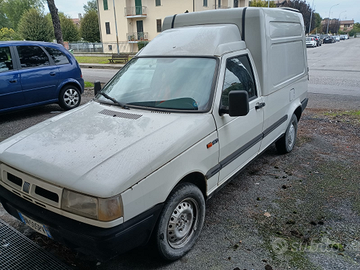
(13, 81)
(52, 73)
(259, 105)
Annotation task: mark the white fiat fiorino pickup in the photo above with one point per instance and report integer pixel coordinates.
(198, 103)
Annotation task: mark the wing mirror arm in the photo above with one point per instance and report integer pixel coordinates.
(97, 87)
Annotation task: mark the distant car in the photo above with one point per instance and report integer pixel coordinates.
(317, 39)
(344, 37)
(337, 38)
(38, 73)
(310, 42)
(329, 39)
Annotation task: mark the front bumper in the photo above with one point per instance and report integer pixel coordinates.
(102, 243)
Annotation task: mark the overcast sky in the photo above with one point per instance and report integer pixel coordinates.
(346, 9)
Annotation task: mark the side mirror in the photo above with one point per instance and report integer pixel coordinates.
(97, 87)
(238, 104)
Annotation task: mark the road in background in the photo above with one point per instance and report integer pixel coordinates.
(335, 68)
(95, 74)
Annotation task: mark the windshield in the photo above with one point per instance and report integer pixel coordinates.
(164, 83)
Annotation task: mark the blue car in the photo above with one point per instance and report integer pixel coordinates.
(38, 73)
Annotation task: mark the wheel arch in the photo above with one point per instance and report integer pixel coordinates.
(197, 179)
(298, 112)
(70, 82)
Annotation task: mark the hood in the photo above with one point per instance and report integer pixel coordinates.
(103, 150)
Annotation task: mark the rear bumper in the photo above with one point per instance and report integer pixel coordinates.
(102, 243)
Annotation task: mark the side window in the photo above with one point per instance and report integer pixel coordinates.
(58, 57)
(5, 59)
(32, 56)
(238, 76)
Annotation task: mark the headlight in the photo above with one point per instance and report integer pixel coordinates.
(96, 208)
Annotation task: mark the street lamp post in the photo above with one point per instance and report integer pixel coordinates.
(311, 16)
(339, 18)
(327, 29)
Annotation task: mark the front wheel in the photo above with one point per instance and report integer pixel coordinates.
(287, 142)
(69, 97)
(180, 222)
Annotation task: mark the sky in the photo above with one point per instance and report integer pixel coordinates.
(346, 9)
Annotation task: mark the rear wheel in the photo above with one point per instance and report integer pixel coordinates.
(180, 222)
(287, 142)
(69, 97)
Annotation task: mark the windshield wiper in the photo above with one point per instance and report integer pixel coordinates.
(114, 100)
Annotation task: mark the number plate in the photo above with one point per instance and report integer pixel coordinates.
(36, 226)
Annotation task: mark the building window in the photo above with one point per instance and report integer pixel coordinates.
(107, 26)
(205, 3)
(158, 25)
(110, 47)
(105, 5)
(157, 3)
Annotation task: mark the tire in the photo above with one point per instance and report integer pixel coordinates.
(287, 142)
(69, 97)
(180, 222)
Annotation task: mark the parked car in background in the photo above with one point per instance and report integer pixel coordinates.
(38, 73)
(337, 38)
(344, 37)
(329, 39)
(310, 42)
(318, 40)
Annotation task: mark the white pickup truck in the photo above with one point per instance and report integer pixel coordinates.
(195, 106)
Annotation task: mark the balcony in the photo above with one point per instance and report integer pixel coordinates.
(135, 12)
(135, 37)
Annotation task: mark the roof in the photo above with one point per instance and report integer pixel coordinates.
(347, 22)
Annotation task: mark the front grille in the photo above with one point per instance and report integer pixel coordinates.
(31, 188)
(47, 194)
(14, 179)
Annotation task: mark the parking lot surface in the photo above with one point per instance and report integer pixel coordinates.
(296, 211)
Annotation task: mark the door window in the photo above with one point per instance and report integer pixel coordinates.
(32, 56)
(5, 59)
(58, 57)
(238, 76)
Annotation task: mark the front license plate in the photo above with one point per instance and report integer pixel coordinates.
(36, 226)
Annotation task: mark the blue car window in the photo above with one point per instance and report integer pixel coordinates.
(5, 59)
(32, 56)
(58, 56)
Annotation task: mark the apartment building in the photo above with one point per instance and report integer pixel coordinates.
(124, 23)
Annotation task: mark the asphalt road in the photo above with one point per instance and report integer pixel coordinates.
(335, 68)
(334, 83)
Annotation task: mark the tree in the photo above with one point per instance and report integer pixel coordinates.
(14, 9)
(8, 34)
(89, 27)
(68, 28)
(260, 3)
(305, 10)
(35, 26)
(56, 21)
(3, 19)
(90, 5)
(318, 20)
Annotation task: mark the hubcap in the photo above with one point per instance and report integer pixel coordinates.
(291, 136)
(182, 223)
(71, 97)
